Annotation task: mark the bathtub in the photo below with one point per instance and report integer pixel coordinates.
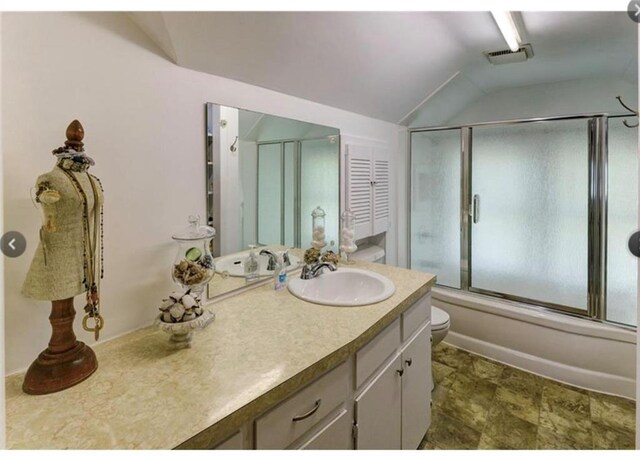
(584, 353)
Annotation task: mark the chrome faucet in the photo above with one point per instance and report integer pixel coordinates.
(315, 270)
(273, 259)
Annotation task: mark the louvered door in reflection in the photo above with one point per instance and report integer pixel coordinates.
(359, 185)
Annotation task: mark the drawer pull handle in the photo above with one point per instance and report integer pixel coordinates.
(409, 361)
(400, 371)
(304, 416)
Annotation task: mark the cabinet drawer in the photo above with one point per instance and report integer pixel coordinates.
(415, 316)
(235, 442)
(370, 357)
(335, 435)
(279, 427)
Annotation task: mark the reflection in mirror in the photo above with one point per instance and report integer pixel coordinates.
(265, 175)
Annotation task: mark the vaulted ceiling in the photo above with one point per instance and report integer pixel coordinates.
(387, 65)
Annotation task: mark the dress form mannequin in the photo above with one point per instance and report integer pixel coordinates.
(71, 201)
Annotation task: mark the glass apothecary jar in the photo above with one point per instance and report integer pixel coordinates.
(193, 267)
(348, 235)
(317, 226)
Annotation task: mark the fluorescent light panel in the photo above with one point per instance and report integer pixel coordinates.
(508, 28)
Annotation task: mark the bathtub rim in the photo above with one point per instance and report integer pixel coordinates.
(536, 315)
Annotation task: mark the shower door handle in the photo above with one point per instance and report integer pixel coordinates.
(475, 208)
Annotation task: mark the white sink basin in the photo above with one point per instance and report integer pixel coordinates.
(345, 287)
(234, 265)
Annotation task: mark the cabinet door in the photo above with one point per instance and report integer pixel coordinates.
(359, 188)
(381, 188)
(416, 389)
(378, 410)
(336, 435)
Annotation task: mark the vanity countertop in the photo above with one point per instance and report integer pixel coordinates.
(262, 346)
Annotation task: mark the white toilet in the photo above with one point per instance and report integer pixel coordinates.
(439, 328)
(439, 325)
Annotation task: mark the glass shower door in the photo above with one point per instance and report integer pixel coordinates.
(435, 204)
(270, 184)
(622, 266)
(529, 212)
(319, 186)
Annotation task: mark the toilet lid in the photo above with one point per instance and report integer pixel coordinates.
(439, 317)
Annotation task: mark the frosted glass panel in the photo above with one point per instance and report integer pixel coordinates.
(320, 186)
(531, 237)
(435, 204)
(289, 193)
(622, 266)
(269, 194)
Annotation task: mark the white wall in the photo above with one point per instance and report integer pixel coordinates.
(144, 123)
(230, 189)
(248, 175)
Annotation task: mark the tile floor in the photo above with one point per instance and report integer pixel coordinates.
(482, 404)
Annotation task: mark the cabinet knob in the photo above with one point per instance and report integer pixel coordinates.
(408, 361)
(400, 372)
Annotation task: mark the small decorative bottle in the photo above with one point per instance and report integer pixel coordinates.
(318, 236)
(347, 235)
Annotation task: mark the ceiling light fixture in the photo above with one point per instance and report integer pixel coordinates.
(507, 26)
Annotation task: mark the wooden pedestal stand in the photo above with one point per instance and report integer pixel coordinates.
(66, 361)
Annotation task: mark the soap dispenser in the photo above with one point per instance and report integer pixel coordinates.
(280, 273)
(251, 266)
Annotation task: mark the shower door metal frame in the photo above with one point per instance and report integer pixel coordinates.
(597, 153)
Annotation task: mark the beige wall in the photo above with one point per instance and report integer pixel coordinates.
(144, 123)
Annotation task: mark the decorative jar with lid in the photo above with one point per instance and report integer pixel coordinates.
(193, 267)
(317, 224)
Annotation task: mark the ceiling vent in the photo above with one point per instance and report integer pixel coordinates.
(508, 56)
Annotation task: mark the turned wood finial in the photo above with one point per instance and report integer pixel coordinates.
(75, 134)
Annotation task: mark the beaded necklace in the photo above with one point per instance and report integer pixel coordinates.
(91, 279)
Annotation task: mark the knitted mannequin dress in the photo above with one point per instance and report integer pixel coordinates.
(57, 269)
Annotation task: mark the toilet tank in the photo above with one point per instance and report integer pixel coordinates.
(369, 253)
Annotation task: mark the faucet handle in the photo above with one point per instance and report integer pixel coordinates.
(285, 258)
(306, 272)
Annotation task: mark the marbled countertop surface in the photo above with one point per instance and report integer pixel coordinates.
(262, 346)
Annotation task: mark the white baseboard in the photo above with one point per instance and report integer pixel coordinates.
(582, 378)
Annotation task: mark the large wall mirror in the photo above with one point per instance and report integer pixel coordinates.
(265, 175)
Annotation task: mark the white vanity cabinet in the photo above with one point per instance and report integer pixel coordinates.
(379, 398)
(392, 410)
